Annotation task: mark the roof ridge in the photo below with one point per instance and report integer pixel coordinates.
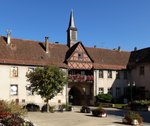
(107, 49)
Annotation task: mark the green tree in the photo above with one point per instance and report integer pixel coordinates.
(47, 81)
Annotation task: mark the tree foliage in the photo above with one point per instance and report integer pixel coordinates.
(47, 82)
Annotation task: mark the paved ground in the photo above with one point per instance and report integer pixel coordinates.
(75, 118)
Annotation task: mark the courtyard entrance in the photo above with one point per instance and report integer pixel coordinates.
(76, 96)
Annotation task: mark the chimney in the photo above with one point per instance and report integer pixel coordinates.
(94, 46)
(119, 48)
(8, 37)
(46, 45)
(135, 48)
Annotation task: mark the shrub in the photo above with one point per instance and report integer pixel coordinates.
(15, 120)
(51, 108)
(98, 111)
(104, 98)
(85, 109)
(139, 104)
(8, 108)
(31, 107)
(11, 114)
(67, 107)
(132, 115)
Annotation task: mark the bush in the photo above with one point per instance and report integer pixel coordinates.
(132, 115)
(11, 114)
(85, 109)
(8, 108)
(67, 107)
(15, 120)
(139, 105)
(98, 111)
(31, 107)
(51, 108)
(104, 98)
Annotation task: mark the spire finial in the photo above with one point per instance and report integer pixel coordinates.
(72, 19)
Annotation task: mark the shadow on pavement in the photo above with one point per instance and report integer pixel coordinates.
(119, 112)
(116, 112)
(120, 123)
(146, 116)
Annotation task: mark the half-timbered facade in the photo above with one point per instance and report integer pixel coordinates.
(90, 70)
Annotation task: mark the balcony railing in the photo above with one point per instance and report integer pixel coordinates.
(81, 78)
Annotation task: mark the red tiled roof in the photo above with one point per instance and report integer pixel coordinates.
(27, 52)
(109, 59)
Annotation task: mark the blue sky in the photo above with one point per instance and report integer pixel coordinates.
(104, 23)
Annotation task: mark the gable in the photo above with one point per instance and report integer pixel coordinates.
(79, 54)
(79, 59)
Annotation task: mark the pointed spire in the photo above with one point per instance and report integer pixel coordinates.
(71, 23)
(72, 19)
(72, 31)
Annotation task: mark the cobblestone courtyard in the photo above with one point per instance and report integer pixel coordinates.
(75, 118)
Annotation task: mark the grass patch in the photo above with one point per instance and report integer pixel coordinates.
(119, 106)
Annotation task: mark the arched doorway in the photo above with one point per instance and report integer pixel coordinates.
(76, 96)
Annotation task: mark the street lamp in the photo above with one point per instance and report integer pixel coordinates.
(131, 85)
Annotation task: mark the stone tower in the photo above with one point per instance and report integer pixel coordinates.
(71, 32)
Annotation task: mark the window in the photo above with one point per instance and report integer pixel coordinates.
(30, 69)
(80, 56)
(14, 72)
(100, 73)
(13, 89)
(118, 74)
(109, 90)
(101, 90)
(125, 75)
(72, 72)
(118, 92)
(29, 90)
(125, 91)
(109, 74)
(82, 72)
(141, 70)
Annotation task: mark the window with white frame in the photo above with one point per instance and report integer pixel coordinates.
(13, 89)
(109, 74)
(30, 69)
(101, 90)
(29, 90)
(14, 71)
(101, 74)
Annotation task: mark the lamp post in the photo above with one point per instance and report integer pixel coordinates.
(131, 85)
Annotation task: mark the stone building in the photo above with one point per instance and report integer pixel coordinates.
(90, 70)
